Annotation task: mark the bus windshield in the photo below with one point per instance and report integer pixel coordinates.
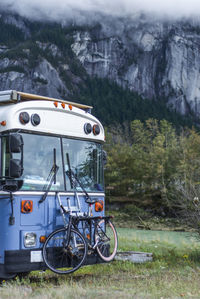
(85, 159)
(86, 162)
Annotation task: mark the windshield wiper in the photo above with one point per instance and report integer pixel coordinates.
(51, 178)
(69, 172)
(72, 175)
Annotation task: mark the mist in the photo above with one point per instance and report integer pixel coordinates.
(77, 10)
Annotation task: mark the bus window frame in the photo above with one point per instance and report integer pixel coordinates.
(95, 169)
(61, 138)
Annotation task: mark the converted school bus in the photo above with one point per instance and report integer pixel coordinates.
(32, 129)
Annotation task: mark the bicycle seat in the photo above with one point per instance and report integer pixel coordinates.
(91, 201)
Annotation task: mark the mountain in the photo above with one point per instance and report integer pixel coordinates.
(155, 60)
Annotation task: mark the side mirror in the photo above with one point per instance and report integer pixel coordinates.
(16, 168)
(11, 185)
(104, 156)
(15, 143)
(16, 147)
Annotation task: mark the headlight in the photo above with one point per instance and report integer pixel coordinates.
(29, 240)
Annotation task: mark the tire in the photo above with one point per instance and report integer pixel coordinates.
(106, 235)
(61, 259)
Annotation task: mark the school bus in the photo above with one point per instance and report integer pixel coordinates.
(34, 132)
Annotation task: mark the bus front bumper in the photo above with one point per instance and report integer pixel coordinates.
(19, 261)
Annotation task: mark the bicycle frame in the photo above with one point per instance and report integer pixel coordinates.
(75, 220)
(98, 241)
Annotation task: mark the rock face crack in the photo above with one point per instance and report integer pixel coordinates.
(153, 59)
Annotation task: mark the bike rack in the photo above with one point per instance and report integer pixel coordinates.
(74, 209)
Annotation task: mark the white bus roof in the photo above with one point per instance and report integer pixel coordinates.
(57, 117)
(18, 96)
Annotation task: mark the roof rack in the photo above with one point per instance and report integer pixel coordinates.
(13, 96)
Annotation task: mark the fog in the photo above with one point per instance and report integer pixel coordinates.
(78, 9)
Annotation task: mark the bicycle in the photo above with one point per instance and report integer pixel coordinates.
(65, 250)
(100, 234)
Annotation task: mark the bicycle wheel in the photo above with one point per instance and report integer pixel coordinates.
(106, 238)
(63, 259)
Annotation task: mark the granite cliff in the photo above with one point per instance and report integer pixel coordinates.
(156, 59)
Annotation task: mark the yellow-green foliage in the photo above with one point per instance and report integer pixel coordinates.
(153, 161)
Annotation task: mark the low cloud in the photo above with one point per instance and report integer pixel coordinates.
(77, 9)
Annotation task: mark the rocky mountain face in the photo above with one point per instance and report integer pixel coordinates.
(156, 59)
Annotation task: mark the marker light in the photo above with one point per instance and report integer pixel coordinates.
(87, 128)
(96, 130)
(42, 239)
(56, 104)
(70, 107)
(3, 123)
(63, 105)
(99, 206)
(35, 119)
(29, 240)
(24, 118)
(26, 206)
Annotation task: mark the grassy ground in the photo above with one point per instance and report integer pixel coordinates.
(174, 273)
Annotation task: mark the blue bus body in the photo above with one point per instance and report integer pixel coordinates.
(66, 128)
(45, 217)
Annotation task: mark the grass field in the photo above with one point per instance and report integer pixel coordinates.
(174, 272)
